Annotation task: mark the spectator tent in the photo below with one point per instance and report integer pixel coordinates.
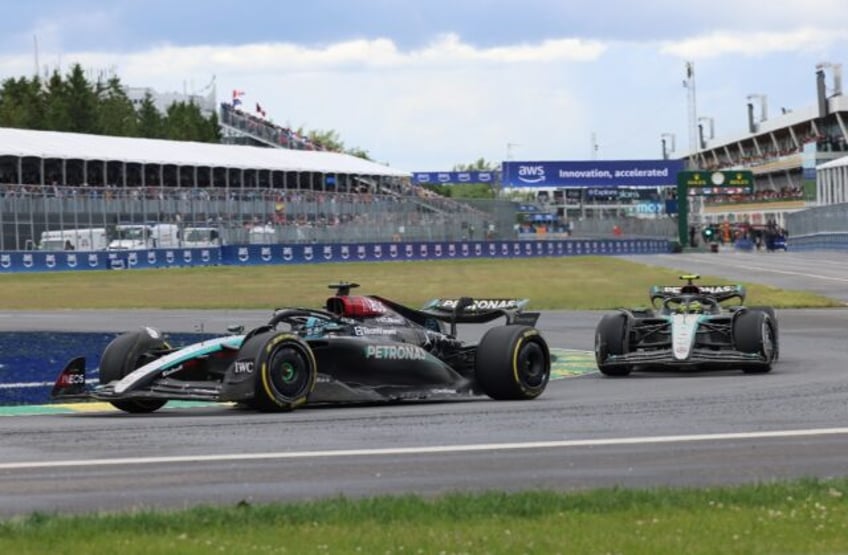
(49, 157)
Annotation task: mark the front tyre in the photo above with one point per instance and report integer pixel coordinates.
(124, 354)
(286, 371)
(754, 332)
(512, 363)
(611, 339)
(773, 316)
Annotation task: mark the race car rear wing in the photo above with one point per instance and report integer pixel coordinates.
(720, 293)
(466, 310)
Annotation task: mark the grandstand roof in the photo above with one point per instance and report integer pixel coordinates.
(78, 146)
(840, 162)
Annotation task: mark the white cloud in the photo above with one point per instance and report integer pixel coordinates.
(723, 43)
(451, 101)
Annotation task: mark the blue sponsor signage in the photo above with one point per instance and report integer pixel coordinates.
(594, 173)
(40, 261)
(247, 255)
(417, 250)
(454, 178)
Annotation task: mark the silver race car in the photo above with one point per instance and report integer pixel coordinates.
(689, 327)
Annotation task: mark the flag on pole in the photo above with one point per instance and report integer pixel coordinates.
(237, 94)
(259, 110)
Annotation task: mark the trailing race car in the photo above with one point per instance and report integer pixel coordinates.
(689, 328)
(356, 349)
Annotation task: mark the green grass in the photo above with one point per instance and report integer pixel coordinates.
(808, 516)
(549, 283)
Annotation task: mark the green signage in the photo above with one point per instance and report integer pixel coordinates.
(715, 179)
(705, 182)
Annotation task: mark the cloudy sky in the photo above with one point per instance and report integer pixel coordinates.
(425, 85)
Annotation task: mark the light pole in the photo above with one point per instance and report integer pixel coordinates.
(668, 144)
(689, 84)
(509, 147)
(711, 128)
(837, 75)
(763, 105)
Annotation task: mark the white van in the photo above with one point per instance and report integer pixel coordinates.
(89, 239)
(145, 236)
(202, 237)
(262, 235)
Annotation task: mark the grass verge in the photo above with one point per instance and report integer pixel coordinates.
(578, 283)
(807, 516)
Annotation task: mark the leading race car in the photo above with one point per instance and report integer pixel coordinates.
(356, 349)
(689, 327)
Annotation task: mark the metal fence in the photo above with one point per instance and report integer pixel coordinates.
(292, 216)
(647, 228)
(832, 218)
(288, 216)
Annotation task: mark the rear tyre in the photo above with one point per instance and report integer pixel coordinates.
(754, 332)
(512, 363)
(285, 371)
(124, 354)
(611, 339)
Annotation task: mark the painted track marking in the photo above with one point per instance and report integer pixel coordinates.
(423, 450)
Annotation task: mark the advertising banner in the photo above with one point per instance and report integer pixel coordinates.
(454, 178)
(594, 173)
(246, 255)
(40, 261)
(449, 250)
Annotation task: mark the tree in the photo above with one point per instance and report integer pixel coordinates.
(185, 122)
(150, 123)
(359, 153)
(81, 102)
(75, 104)
(56, 109)
(479, 165)
(115, 112)
(22, 103)
(328, 139)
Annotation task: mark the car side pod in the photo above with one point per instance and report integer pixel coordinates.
(70, 384)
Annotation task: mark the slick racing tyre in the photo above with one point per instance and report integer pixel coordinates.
(770, 311)
(285, 371)
(124, 354)
(754, 332)
(611, 339)
(512, 363)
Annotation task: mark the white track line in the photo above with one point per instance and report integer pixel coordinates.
(435, 449)
(22, 385)
(768, 269)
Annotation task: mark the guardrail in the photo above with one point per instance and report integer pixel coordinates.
(823, 240)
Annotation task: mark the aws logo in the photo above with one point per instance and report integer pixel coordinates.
(531, 174)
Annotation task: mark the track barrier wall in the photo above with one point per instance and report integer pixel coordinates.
(247, 255)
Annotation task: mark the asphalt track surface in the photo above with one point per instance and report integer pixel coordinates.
(646, 430)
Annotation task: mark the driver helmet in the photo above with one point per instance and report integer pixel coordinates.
(690, 307)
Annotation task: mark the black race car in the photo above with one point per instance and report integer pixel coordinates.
(356, 349)
(689, 327)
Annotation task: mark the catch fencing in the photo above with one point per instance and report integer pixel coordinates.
(293, 216)
(819, 228)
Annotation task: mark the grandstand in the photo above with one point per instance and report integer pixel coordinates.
(782, 152)
(52, 180)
